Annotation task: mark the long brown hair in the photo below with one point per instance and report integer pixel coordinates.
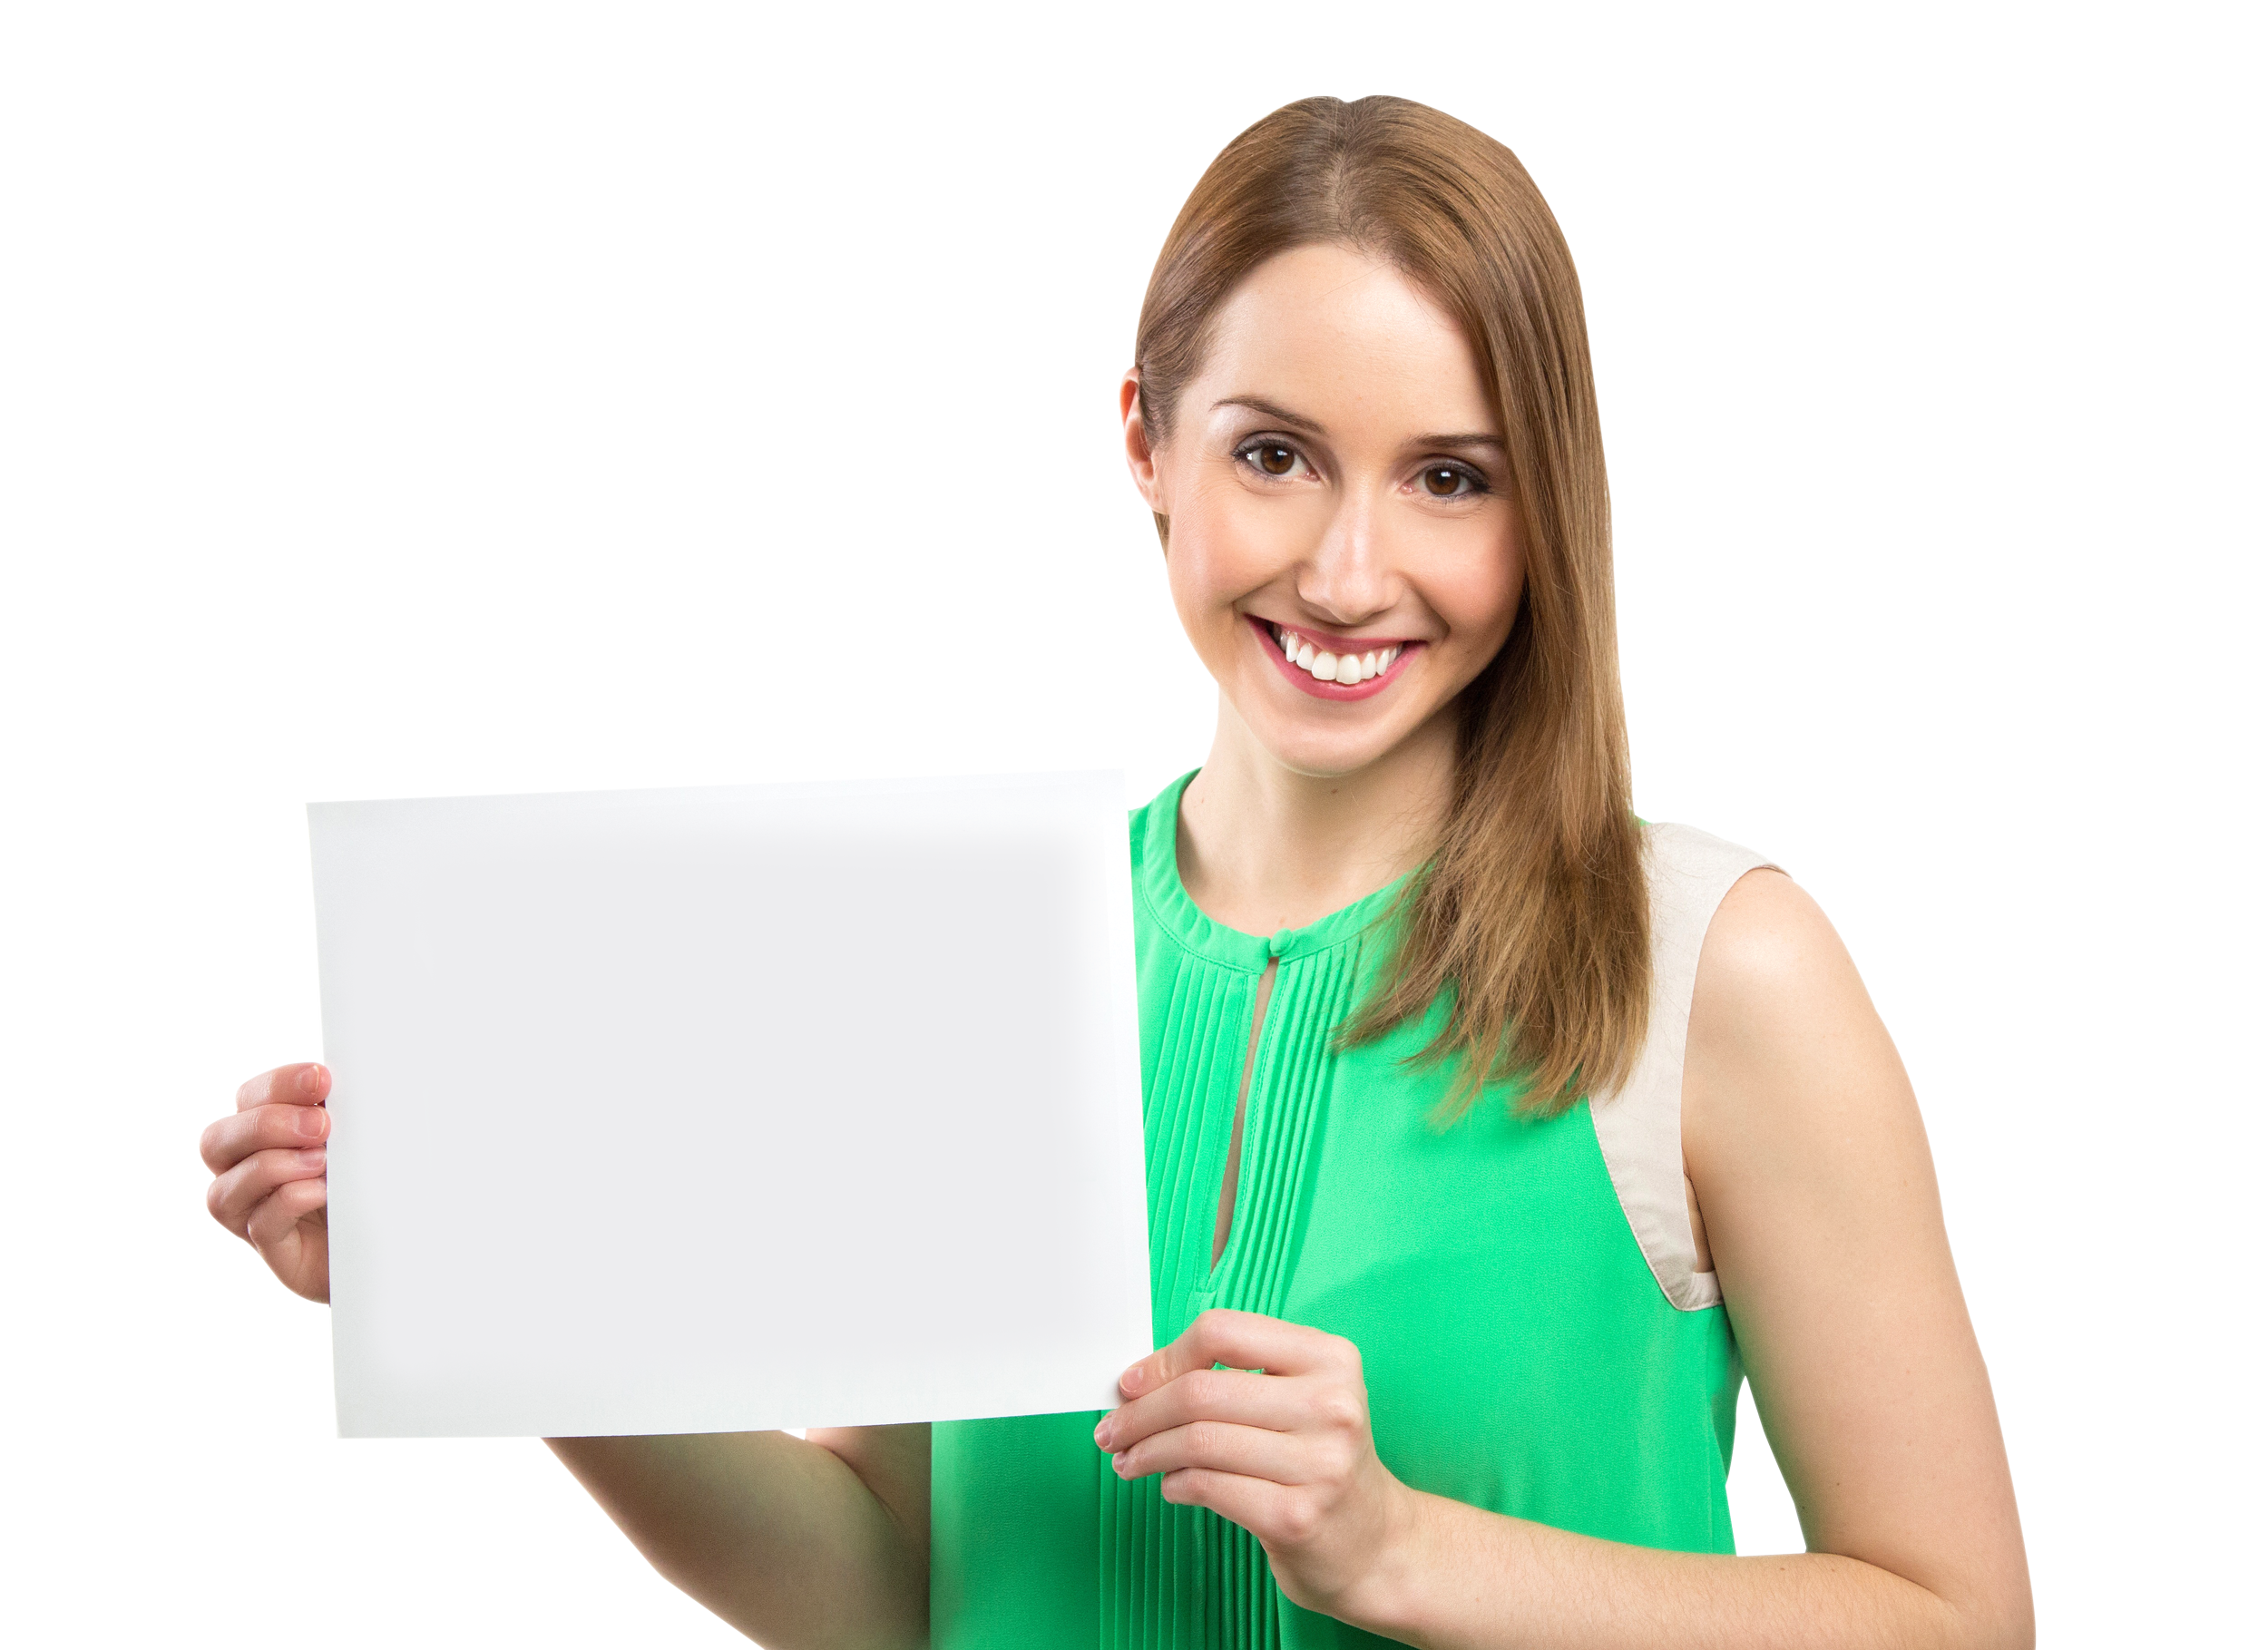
(1532, 909)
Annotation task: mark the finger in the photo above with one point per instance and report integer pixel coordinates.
(1254, 1452)
(1256, 1503)
(237, 1136)
(1237, 1396)
(231, 1195)
(1241, 1340)
(278, 1216)
(301, 1085)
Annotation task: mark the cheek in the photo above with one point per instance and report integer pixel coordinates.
(1225, 545)
(1478, 592)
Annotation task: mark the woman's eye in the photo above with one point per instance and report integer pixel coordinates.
(1271, 456)
(1446, 480)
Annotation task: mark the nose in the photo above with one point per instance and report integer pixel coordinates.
(1348, 577)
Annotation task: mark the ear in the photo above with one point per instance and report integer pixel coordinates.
(1139, 460)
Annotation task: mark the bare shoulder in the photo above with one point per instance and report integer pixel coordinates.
(1799, 1122)
(1805, 1148)
(1784, 1039)
(1772, 962)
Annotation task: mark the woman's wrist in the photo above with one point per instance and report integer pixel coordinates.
(1385, 1596)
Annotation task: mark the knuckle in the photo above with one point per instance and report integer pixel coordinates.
(1202, 1388)
(1297, 1520)
(1339, 1411)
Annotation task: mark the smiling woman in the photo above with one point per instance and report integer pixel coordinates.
(1493, 1137)
(1405, 523)
(1433, 1371)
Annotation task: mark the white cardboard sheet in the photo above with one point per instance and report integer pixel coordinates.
(703, 1110)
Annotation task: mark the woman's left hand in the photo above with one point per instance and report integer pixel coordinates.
(1287, 1453)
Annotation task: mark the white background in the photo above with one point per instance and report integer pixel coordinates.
(425, 400)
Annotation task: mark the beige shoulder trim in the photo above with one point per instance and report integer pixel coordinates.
(1688, 874)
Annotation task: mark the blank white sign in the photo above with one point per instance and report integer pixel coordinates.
(703, 1110)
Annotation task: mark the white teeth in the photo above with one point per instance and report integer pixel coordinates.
(1344, 667)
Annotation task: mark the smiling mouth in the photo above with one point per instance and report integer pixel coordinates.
(1357, 664)
(1333, 668)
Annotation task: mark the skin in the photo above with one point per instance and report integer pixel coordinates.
(1305, 805)
(821, 1541)
(1307, 483)
(1805, 1156)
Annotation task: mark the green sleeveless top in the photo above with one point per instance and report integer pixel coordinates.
(1534, 1340)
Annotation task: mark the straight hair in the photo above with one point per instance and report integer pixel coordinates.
(1532, 912)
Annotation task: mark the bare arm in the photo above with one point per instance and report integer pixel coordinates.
(1806, 1151)
(821, 1544)
(1806, 1146)
(1808, 1156)
(818, 1545)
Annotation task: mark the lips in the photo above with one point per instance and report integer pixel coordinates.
(1321, 666)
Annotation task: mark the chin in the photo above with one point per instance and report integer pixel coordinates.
(1320, 752)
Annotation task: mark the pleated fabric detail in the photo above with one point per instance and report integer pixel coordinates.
(1520, 1351)
(1183, 1575)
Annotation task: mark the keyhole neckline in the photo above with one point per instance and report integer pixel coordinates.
(1158, 881)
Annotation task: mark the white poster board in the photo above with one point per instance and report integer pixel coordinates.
(712, 1109)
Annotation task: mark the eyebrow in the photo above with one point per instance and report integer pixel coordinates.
(1268, 409)
(1294, 421)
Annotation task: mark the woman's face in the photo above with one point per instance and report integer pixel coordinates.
(1337, 485)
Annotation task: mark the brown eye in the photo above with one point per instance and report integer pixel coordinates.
(1443, 482)
(1276, 458)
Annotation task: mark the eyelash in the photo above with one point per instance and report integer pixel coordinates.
(1248, 450)
(1478, 482)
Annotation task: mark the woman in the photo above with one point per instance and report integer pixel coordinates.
(1492, 1135)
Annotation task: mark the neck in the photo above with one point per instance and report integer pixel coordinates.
(1262, 848)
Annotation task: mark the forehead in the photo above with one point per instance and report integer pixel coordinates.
(1343, 337)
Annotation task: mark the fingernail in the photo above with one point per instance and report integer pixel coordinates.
(1131, 1382)
(311, 1079)
(312, 1157)
(311, 1122)
(1103, 1435)
(1118, 1464)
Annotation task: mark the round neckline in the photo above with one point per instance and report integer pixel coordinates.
(1159, 878)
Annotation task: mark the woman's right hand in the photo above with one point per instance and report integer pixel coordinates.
(269, 1185)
